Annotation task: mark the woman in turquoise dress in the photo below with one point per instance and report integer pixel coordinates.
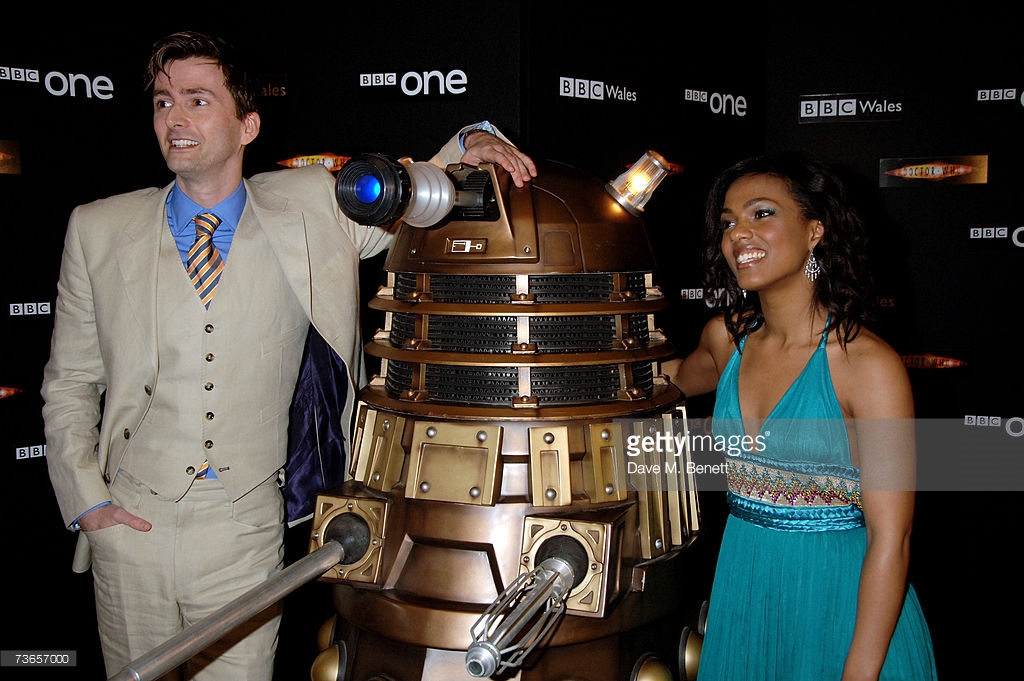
(811, 580)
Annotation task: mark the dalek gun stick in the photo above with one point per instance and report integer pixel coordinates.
(197, 637)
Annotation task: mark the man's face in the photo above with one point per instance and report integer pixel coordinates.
(196, 125)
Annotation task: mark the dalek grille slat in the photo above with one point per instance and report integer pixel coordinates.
(458, 334)
(489, 386)
(495, 334)
(546, 288)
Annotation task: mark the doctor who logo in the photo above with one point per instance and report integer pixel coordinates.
(901, 172)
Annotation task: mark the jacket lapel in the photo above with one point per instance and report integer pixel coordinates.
(138, 255)
(284, 230)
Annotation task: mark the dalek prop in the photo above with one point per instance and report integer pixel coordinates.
(496, 523)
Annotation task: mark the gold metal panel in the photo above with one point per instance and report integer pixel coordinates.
(455, 462)
(466, 244)
(651, 496)
(445, 572)
(374, 512)
(684, 507)
(550, 483)
(590, 596)
(604, 464)
(686, 483)
(378, 446)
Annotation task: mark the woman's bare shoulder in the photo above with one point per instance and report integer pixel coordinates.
(869, 371)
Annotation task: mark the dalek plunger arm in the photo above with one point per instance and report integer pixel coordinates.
(525, 612)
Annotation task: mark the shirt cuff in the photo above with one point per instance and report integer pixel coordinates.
(75, 526)
(482, 125)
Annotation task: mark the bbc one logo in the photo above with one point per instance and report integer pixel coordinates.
(1016, 236)
(22, 309)
(416, 83)
(581, 88)
(1000, 95)
(62, 84)
(722, 104)
(691, 294)
(1014, 426)
(848, 108)
(710, 298)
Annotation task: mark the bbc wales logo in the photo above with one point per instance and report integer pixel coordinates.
(582, 88)
(849, 108)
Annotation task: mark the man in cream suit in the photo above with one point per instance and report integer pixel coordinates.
(166, 420)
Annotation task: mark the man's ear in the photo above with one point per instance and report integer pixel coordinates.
(250, 127)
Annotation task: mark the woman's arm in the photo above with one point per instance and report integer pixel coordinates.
(879, 398)
(698, 372)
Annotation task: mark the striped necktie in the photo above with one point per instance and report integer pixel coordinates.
(204, 264)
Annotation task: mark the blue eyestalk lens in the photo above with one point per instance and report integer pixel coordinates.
(367, 188)
(373, 189)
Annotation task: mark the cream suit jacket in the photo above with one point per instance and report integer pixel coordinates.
(108, 317)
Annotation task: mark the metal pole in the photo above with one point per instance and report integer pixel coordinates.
(190, 641)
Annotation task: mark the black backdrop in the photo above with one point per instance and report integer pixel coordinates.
(703, 90)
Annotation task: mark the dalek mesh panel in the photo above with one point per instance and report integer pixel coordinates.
(552, 386)
(464, 288)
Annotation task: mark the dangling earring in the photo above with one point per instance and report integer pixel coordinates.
(811, 268)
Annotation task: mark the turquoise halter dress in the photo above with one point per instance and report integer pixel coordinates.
(784, 597)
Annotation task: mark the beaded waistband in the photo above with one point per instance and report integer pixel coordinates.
(804, 484)
(819, 494)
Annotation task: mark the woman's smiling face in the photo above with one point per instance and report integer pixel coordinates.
(765, 236)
